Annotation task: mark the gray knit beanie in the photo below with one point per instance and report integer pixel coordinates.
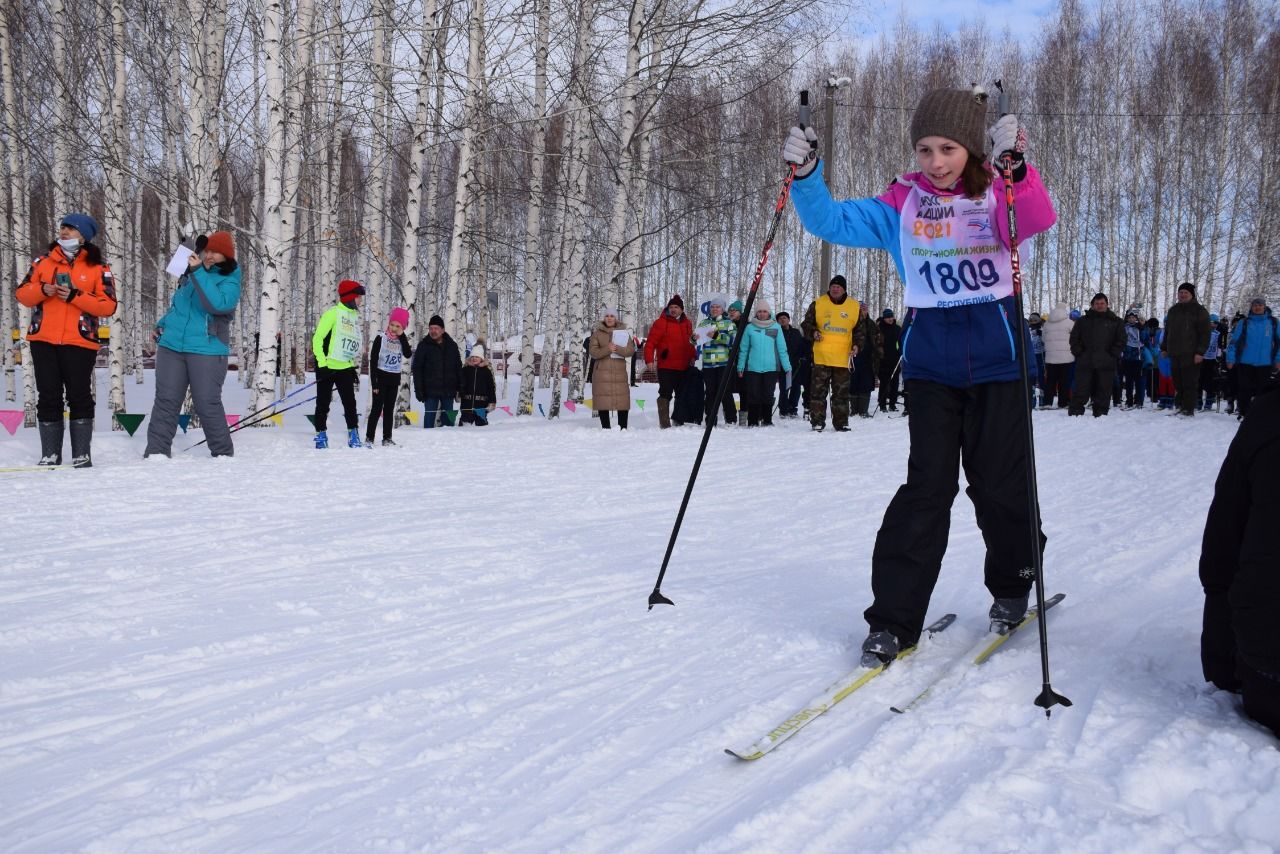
(959, 114)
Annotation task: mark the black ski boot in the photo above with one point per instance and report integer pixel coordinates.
(81, 438)
(1007, 613)
(51, 443)
(879, 648)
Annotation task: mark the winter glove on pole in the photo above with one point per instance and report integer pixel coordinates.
(656, 597)
(801, 149)
(1048, 698)
(1009, 140)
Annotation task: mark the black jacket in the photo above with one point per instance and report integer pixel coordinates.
(1097, 340)
(797, 346)
(1239, 567)
(437, 368)
(890, 334)
(477, 390)
(1186, 329)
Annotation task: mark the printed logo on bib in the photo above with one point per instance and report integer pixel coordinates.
(950, 251)
(837, 330)
(346, 338)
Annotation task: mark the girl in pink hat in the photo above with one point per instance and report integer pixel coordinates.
(388, 353)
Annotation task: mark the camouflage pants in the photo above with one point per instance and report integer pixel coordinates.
(836, 380)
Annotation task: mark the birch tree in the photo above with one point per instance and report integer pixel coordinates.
(463, 188)
(533, 265)
(19, 228)
(579, 114)
(117, 207)
(274, 214)
(412, 264)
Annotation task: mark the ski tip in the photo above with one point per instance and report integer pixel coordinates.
(745, 757)
(897, 711)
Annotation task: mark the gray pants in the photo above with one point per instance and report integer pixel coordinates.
(204, 374)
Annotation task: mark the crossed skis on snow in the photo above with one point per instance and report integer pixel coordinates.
(989, 644)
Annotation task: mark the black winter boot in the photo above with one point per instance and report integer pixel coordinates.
(81, 438)
(1007, 613)
(879, 648)
(51, 443)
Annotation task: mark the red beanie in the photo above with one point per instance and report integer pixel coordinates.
(220, 242)
(348, 290)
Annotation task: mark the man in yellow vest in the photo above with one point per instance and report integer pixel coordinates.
(831, 323)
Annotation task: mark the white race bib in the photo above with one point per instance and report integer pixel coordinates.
(390, 356)
(951, 252)
(346, 337)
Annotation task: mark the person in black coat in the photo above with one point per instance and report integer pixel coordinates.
(1097, 342)
(478, 392)
(1240, 644)
(890, 333)
(437, 372)
(800, 354)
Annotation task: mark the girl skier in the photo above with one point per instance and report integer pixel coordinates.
(946, 228)
(386, 356)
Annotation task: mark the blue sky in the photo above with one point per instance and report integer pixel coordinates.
(1025, 18)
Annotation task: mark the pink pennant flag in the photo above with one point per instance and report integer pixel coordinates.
(233, 420)
(11, 419)
(571, 406)
(506, 409)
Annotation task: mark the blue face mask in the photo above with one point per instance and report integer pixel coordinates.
(69, 244)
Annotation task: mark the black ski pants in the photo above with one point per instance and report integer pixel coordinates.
(63, 368)
(1132, 373)
(1249, 378)
(983, 428)
(386, 387)
(1056, 384)
(711, 379)
(888, 384)
(345, 380)
(1092, 384)
(1186, 381)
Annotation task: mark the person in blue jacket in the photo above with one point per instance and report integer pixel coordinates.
(1254, 352)
(946, 228)
(762, 358)
(193, 345)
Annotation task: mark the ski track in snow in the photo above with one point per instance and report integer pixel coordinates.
(446, 647)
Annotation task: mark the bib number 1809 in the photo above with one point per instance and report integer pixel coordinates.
(950, 277)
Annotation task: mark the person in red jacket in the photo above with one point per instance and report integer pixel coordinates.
(670, 346)
(69, 288)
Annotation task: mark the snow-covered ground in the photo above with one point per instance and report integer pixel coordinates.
(446, 647)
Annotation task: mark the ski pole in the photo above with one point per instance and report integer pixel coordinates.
(656, 597)
(250, 423)
(297, 390)
(1048, 697)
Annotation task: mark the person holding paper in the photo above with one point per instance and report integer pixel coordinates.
(715, 338)
(193, 345)
(68, 289)
(611, 345)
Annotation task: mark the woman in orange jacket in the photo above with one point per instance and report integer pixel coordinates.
(68, 289)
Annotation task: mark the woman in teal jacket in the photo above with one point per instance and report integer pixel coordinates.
(193, 343)
(761, 359)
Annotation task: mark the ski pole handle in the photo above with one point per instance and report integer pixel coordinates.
(805, 112)
(1003, 105)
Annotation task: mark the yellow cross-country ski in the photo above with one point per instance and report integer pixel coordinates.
(835, 693)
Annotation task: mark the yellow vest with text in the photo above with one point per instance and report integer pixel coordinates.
(836, 323)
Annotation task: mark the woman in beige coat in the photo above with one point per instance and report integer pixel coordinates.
(610, 379)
